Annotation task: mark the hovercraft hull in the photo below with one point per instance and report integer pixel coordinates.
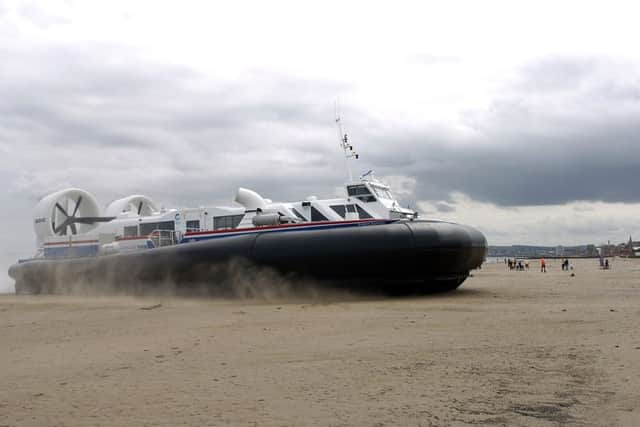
(395, 257)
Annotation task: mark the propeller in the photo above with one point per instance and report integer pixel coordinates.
(71, 220)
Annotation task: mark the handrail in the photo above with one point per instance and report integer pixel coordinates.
(161, 238)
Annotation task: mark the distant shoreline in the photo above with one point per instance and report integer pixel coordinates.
(554, 257)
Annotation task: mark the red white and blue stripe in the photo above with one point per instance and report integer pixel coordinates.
(196, 236)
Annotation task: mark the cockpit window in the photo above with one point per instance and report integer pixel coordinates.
(358, 190)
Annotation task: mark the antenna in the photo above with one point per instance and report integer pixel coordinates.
(366, 174)
(347, 148)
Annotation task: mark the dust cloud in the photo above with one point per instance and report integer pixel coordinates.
(6, 284)
(235, 279)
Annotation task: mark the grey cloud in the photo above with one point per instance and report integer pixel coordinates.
(105, 94)
(81, 96)
(275, 130)
(526, 174)
(533, 149)
(556, 74)
(444, 207)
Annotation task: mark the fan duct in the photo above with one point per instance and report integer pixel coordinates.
(137, 205)
(66, 212)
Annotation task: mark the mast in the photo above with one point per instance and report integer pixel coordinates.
(344, 143)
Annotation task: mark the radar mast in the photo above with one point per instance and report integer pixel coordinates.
(347, 148)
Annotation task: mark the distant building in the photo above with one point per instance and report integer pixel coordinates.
(590, 250)
(607, 250)
(629, 249)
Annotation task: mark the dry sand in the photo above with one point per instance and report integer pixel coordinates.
(508, 348)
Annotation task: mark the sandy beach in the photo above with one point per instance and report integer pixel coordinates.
(507, 348)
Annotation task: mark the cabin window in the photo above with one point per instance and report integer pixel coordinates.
(150, 227)
(227, 221)
(340, 210)
(316, 215)
(351, 208)
(131, 231)
(298, 214)
(193, 225)
(362, 213)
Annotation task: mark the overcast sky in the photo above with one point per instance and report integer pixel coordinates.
(521, 118)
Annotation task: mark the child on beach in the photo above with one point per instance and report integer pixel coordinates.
(543, 265)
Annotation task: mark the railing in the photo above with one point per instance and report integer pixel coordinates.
(161, 238)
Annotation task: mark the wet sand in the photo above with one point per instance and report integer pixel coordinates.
(507, 348)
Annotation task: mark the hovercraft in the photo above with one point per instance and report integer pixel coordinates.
(364, 240)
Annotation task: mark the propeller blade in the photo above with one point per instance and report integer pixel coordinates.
(71, 222)
(92, 219)
(75, 210)
(62, 210)
(62, 227)
(139, 207)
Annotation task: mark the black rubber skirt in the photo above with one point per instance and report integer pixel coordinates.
(396, 258)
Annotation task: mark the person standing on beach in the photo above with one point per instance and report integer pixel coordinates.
(543, 265)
